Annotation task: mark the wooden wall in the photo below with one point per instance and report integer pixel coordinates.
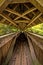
(4, 46)
(37, 42)
(38, 53)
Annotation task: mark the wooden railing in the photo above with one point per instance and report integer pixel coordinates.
(5, 43)
(37, 43)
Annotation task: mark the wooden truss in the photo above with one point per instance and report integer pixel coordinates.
(21, 15)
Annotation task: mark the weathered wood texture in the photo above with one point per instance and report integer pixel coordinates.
(21, 15)
(37, 42)
(4, 50)
(5, 43)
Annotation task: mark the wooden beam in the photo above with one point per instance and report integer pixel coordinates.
(22, 26)
(36, 36)
(26, 6)
(1, 2)
(33, 21)
(20, 1)
(34, 14)
(16, 13)
(41, 19)
(37, 5)
(33, 24)
(39, 47)
(22, 21)
(15, 7)
(28, 11)
(36, 42)
(34, 58)
(4, 5)
(35, 18)
(40, 1)
(10, 52)
(8, 19)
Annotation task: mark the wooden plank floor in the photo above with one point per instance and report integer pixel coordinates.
(21, 55)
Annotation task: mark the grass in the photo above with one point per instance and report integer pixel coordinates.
(5, 29)
(38, 29)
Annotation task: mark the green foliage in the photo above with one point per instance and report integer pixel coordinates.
(5, 29)
(38, 29)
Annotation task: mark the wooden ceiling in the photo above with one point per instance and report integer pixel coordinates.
(22, 14)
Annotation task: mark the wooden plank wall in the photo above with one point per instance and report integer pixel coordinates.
(4, 46)
(37, 43)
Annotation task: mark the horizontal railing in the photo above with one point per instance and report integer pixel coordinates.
(37, 43)
(6, 38)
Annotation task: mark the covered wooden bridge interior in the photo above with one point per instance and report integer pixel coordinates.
(21, 48)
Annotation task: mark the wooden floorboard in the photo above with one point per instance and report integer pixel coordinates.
(21, 55)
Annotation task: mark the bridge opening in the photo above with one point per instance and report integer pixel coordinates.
(21, 39)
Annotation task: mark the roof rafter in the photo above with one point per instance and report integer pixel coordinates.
(27, 12)
(16, 13)
(35, 18)
(37, 5)
(22, 21)
(27, 17)
(7, 18)
(4, 5)
(41, 19)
